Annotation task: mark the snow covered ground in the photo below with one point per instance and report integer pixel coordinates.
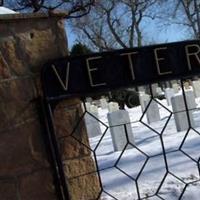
(4, 10)
(139, 172)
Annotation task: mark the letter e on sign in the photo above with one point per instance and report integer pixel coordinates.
(94, 71)
(161, 61)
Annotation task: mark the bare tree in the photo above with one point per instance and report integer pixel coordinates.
(183, 13)
(115, 23)
(73, 8)
(191, 9)
(1, 2)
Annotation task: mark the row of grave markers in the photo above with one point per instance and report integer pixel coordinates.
(119, 123)
(119, 120)
(175, 98)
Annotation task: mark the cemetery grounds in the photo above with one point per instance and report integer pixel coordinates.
(141, 167)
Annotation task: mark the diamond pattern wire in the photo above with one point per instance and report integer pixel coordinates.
(152, 166)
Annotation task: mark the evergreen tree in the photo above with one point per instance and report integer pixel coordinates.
(79, 49)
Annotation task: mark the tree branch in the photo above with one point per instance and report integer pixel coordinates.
(117, 38)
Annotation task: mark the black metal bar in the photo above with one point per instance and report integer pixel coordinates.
(51, 151)
(185, 102)
(56, 157)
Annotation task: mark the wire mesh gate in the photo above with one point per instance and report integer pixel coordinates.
(162, 162)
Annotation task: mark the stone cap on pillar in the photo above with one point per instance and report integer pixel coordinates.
(32, 40)
(20, 16)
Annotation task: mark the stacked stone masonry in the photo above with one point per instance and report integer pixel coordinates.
(78, 164)
(26, 43)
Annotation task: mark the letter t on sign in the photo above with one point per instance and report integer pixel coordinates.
(130, 62)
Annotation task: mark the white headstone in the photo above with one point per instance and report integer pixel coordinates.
(154, 87)
(196, 86)
(176, 87)
(89, 99)
(113, 106)
(168, 84)
(141, 89)
(94, 109)
(152, 112)
(143, 97)
(187, 85)
(92, 124)
(173, 81)
(169, 93)
(180, 115)
(120, 129)
(104, 103)
(159, 90)
(87, 105)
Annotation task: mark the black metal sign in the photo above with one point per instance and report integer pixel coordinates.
(121, 68)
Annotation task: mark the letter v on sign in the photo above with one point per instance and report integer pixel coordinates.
(64, 83)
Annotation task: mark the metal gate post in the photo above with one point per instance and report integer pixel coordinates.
(60, 181)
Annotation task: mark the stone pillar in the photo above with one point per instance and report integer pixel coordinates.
(79, 166)
(27, 41)
(118, 121)
(180, 115)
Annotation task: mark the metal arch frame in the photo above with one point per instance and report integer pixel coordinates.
(49, 103)
(55, 156)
